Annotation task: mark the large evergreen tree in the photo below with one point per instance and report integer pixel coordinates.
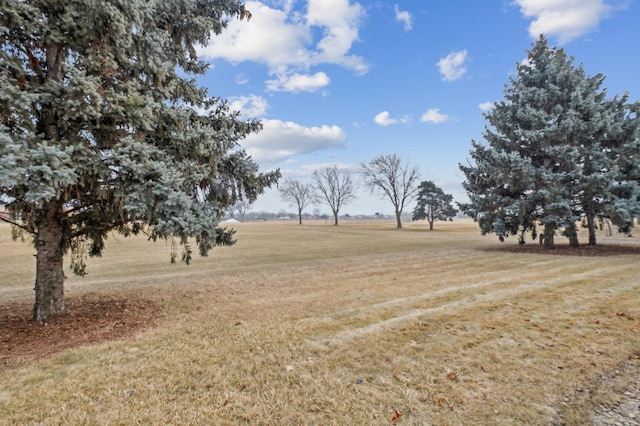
(557, 151)
(100, 131)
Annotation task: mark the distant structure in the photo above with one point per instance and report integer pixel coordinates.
(232, 220)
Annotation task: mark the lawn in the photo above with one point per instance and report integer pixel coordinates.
(355, 324)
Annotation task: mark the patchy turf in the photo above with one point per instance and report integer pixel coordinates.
(357, 324)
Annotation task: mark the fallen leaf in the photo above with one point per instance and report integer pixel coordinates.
(395, 417)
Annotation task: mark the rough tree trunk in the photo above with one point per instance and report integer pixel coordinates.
(591, 225)
(549, 232)
(299, 216)
(49, 287)
(335, 218)
(398, 220)
(572, 234)
(430, 220)
(430, 217)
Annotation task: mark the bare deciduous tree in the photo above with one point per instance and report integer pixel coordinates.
(242, 207)
(335, 186)
(389, 176)
(298, 193)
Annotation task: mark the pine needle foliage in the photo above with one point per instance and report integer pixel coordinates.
(103, 130)
(557, 152)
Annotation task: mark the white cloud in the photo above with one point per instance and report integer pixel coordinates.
(247, 41)
(310, 168)
(251, 106)
(383, 119)
(485, 106)
(287, 41)
(404, 17)
(563, 19)
(241, 79)
(340, 21)
(452, 67)
(298, 83)
(280, 140)
(433, 115)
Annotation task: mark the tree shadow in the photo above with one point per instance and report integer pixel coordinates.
(599, 250)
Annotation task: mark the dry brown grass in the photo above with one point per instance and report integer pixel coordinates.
(359, 324)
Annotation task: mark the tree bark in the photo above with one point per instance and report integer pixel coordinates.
(50, 277)
(572, 234)
(299, 216)
(591, 225)
(430, 217)
(398, 220)
(549, 231)
(335, 218)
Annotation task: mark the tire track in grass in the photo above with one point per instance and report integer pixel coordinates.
(344, 337)
(442, 281)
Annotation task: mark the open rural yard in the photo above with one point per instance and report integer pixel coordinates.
(359, 324)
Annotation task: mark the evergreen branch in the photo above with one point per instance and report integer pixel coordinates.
(18, 225)
(34, 63)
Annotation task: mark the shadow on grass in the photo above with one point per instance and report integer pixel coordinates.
(599, 250)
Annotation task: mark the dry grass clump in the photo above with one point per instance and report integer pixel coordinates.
(357, 324)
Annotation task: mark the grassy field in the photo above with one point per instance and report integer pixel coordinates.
(357, 324)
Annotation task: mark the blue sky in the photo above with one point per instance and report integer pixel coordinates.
(341, 81)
